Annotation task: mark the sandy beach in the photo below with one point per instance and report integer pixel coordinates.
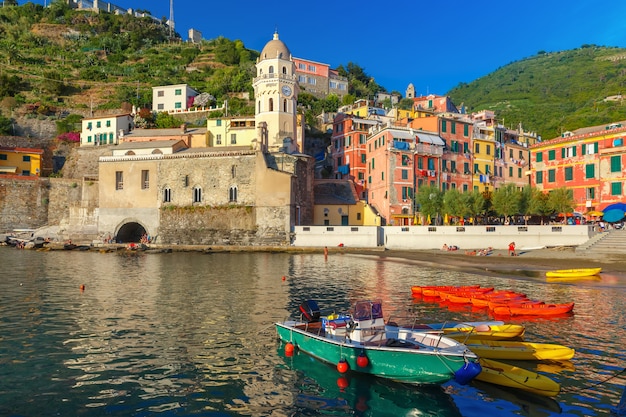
(525, 263)
(530, 262)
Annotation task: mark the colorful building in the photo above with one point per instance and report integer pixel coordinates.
(232, 131)
(349, 149)
(400, 160)
(337, 204)
(105, 130)
(20, 161)
(319, 79)
(456, 132)
(589, 161)
(172, 98)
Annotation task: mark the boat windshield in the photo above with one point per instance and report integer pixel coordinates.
(368, 310)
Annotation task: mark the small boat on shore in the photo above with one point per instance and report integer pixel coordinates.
(573, 273)
(362, 342)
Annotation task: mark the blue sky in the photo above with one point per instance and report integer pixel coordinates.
(434, 45)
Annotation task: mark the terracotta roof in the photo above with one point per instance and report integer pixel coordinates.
(21, 150)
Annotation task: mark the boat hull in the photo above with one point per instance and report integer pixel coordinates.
(500, 373)
(492, 332)
(573, 273)
(414, 366)
(534, 310)
(496, 349)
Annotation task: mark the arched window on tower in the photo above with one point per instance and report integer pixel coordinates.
(232, 194)
(271, 104)
(284, 70)
(259, 106)
(233, 171)
(167, 195)
(285, 105)
(197, 194)
(271, 69)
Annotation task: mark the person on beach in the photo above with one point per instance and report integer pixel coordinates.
(512, 249)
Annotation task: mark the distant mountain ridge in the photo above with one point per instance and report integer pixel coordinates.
(552, 93)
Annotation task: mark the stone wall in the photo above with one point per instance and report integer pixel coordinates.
(215, 226)
(69, 206)
(23, 203)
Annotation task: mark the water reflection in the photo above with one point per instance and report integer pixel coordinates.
(190, 333)
(319, 387)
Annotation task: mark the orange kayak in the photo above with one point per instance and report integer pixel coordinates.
(534, 309)
(513, 302)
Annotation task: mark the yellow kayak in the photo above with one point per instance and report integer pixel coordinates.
(573, 273)
(500, 373)
(526, 351)
(490, 332)
(570, 279)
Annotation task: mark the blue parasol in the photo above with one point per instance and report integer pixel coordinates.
(615, 206)
(613, 215)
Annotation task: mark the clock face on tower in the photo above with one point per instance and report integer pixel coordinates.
(286, 90)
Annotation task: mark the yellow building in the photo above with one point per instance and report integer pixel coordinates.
(483, 151)
(20, 161)
(336, 204)
(225, 132)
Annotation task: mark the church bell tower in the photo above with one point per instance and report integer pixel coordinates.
(276, 95)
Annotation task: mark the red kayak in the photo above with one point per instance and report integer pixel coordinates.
(419, 289)
(534, 309)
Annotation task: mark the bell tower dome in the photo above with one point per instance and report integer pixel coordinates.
(276, 95)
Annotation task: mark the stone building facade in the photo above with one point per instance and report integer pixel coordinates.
(240, 197)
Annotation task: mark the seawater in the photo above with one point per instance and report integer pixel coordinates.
(191, 334)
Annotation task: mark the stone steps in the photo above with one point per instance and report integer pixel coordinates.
(610, 242)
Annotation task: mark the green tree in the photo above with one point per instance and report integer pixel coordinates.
(539, 204)
(9, 85)
(6, 126)
(561, 200)
(405, 104)
(164, 120)
(454, 203)
(506, 200)
(69, 124)
(430, 201)
(475, 203)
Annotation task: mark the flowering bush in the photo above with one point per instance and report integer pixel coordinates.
(69, 137)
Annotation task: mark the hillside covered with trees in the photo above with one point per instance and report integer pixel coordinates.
(551, 93)
(57, 60)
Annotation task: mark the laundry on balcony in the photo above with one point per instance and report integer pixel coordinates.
(403, 146)
(343, 169)
(483, 178)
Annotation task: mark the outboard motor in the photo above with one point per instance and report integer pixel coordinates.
(310, 311)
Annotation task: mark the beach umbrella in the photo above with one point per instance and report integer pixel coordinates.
(428, 219)
(594, 213)
(615, 206)
(613, 215)
(445, 219)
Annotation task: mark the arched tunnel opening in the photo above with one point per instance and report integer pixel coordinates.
(130, 233)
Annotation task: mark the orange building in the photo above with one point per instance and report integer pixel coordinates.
(589, 161)
(399, 161)
(349, 149)
(456, 132)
